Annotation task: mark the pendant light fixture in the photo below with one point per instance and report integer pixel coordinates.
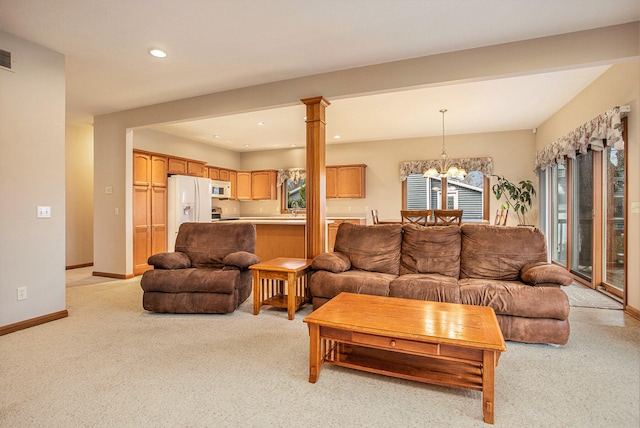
(446, 168)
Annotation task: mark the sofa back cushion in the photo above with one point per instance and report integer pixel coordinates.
(432, 249)
(207, 244)
(371, 248)
(499, 252)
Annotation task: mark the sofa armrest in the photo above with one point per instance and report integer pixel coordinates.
(332, 262)
(241, 259)
(176, 260)
(543, 273)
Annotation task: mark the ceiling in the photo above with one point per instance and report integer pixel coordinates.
(218, 45)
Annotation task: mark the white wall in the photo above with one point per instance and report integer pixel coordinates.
(32, 162)
(79, 196)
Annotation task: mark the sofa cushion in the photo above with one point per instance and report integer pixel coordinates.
(329, 285)
(207, 244)
(371, 248)
(499, 252)
(543, 273)
(433, 287)
(433, 249)
(515, 298)
(190, 280)
(333, 262)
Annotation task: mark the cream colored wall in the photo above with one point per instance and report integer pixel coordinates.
(79, 196)
(112, 239)
(32, 162)
(620, 85)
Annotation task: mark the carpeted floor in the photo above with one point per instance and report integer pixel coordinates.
(111, 364)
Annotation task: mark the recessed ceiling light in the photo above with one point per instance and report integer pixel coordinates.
(293, 145)
(216, 136)
(158, 53)
(261, 123)
(246, 145)
(337, 137)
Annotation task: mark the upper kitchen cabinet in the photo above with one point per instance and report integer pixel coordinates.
(187, 167)
(196, 168)
(263, 184)
(233, 178)
(224, 174)
(346, 181)
(214, 173)
(243, 188)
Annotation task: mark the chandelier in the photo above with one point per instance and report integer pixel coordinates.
(446, 167)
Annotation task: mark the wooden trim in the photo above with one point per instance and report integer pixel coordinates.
(632, 312)
(78, 266)
(113, 275)
(11, 328)
(625, 284)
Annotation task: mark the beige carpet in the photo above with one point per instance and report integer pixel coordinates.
(111, 364)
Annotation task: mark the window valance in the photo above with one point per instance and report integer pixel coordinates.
(484, 165)
(607, 126)
(293, 174)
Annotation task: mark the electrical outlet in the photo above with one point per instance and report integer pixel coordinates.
(22, 293)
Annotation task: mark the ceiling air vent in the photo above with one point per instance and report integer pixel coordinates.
(5, 59)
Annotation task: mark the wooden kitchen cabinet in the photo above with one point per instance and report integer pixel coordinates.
(213, 173)
(224, 174)
(233, 178)
(196, 168)
(263, 184)
(149, 208)
(177, 166)
(244, 186)
(346, 181)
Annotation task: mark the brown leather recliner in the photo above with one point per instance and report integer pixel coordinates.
(208, 272)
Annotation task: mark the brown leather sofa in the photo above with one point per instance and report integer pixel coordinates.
(208, 272)
(502, 267)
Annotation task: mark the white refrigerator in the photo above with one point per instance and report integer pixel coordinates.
(188, 200)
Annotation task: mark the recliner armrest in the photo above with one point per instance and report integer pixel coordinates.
(332, 262)
(543, 273)
(241, 259)
(175, 260)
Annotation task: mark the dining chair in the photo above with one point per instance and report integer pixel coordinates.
(374, 216)
(420, 217)
(444, 217)
(501, 217)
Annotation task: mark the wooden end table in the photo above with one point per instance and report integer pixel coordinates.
(441, 343)
(268, 284)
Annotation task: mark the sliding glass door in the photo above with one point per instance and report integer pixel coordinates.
(613, 210)
(582, 216)
(559, 214)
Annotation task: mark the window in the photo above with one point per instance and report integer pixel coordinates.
(466, 194)
(294, 195)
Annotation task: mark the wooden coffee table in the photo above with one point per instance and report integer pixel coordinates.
(268, 284)
(441, 343)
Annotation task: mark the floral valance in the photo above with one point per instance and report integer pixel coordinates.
(607, 126)
(293, 174)
(484, 165)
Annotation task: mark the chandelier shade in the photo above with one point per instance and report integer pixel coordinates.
(445, 167)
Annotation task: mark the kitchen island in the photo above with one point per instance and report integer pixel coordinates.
(284, 236)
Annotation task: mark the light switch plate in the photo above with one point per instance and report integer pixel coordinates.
(44, 212)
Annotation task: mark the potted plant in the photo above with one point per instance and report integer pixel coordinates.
(517, 197)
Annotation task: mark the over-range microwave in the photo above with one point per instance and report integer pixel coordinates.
(220, 189)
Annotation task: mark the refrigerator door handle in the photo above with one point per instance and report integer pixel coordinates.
(197, 198)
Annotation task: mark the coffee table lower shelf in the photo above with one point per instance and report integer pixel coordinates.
(438, 371)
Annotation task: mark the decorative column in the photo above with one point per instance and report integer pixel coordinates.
(316, 178)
